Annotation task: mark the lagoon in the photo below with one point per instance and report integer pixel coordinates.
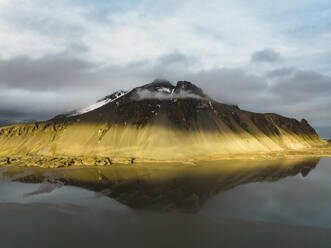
(242, 203)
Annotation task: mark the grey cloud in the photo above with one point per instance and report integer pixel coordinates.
(226, 85)
(41, 88)
(45, 73)
(280, 72)
(169, 66)
(11, 115)
(23, 105)
(233, 86)
(175, 58)
(146, 94)
(268, 55)
(300, 84)
(60, 83)
(287, 91)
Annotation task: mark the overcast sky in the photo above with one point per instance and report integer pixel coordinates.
(265, 56)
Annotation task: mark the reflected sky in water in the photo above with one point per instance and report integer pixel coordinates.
(237, 205)
(294, 200)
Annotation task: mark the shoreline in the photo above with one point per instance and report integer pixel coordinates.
(101, 161)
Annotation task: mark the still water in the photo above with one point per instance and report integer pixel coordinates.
(284, 203)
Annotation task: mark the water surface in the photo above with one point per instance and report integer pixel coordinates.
(284, 203)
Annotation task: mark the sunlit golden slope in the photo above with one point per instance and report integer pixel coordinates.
(164, 130)
(152, 141)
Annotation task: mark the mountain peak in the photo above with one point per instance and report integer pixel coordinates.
(188, 87)
(160, 89)
(164, 87)
(161, 81)
(159, 85)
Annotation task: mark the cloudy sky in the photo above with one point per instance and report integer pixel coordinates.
(56, 56)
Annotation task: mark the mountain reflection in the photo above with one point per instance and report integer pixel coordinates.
(164, 187)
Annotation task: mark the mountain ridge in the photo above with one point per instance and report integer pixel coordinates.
(162, 122)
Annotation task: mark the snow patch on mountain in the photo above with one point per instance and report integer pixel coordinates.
(114, 96)
(164, 90)
(92, 107)
(108, 99)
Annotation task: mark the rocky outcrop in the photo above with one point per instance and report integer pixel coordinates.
(59, 162)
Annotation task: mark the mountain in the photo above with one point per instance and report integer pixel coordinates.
(159, 121)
